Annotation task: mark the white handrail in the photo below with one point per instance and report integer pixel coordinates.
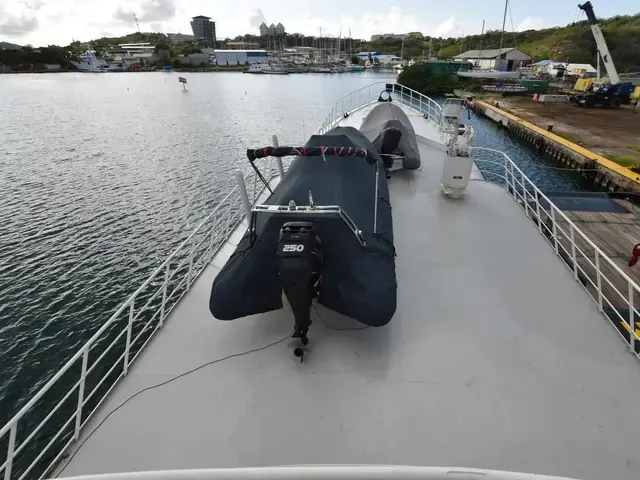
(370, 94)
(194, 253)
(521, 185)
(560, 212)
(143, 307)
(326, 472)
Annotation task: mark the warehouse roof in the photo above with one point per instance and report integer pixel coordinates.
(490, 53)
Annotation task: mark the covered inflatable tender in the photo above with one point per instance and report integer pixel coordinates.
(358, 281)
(388, 125)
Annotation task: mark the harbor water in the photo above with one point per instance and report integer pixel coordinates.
(102, 176)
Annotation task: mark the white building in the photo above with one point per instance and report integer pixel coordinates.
(240, 57)
(389, 35)
(176, 38)
(382, 59)
(271, 29)
(388, 59)
(507, 59)
(580, 69)
(134, 53)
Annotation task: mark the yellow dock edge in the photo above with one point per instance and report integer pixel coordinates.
(605, 162)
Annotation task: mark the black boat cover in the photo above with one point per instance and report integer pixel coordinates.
(388, 124)
(359, 282)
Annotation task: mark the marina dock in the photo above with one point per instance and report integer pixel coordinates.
(604, 173)
(611, 226)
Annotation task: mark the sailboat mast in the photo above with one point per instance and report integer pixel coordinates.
(504, 20)
(481, 37)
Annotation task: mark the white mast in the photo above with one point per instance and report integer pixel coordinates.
(504, 19)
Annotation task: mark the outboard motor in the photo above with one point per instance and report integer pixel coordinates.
(299, 264)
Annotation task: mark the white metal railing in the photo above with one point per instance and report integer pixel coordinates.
(370, 94)
(327, 472)
(98, 366)
(105, 359)
(613, 291)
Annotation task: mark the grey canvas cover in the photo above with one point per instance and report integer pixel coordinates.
(388, 126)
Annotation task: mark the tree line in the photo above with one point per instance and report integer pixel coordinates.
(572, 43)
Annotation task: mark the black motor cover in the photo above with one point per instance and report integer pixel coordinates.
(299, 264)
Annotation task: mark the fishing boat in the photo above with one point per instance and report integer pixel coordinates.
(88, 63)
(368, 305)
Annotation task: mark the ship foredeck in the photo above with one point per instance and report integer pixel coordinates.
(496, 358)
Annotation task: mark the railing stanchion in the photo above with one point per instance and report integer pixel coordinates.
(10, 450)
(83, 378)
(129, 331)
(164, 293)
(524, 194)
(573, 251)
(555, 228)
(274, 139)
(190, 271)
(255, 187)
(632, 329)
(513, 182)
(599, 280)
(537, 200)
(244, 197)
(227, 222)
(213, 235)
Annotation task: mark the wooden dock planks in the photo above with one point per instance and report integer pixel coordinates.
(615, 234)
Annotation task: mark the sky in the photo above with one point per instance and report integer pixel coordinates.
(44, 22)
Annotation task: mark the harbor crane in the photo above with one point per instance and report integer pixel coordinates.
(614, 93)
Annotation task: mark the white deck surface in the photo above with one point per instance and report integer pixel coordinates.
(495, 358)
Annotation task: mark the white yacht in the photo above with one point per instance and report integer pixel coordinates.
(496, 359)
(88, 63)
(265, 68)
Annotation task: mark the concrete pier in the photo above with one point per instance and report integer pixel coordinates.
(604, 173)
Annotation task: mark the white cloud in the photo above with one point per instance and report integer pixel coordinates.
(446, 28)
(532, 23)
(257, 18)
(18, 18)
(42, 22)
(146, 11)
(157, 10)
(393, 21)
(123, 15)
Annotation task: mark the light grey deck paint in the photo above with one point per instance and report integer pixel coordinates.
(495, 358)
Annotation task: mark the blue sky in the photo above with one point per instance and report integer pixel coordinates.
(58, 21)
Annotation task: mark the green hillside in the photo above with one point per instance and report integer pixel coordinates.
(573, 42)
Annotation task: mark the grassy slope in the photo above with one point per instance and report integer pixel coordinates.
(573, 42)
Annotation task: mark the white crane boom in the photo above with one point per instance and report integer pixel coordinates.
(603, 49)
